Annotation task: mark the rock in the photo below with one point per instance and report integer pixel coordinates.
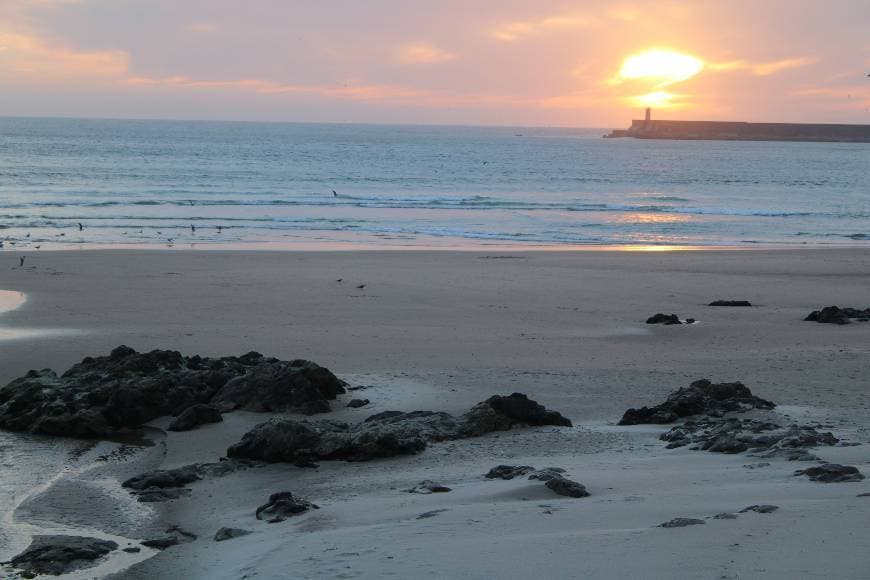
(508, 471)
(725, 516)
(357, 403)
(681, 523)
(690, 321)
(100, 397)
(282, 505)
(863, 495)
(837, 315)
(230, 533)
(547, 473)
(832, 473)
(738, 435)
(432, 514)
(172, 537)
(700, 398)
(427, 486)
(158, 495)
(666, 319)
(61, 554)
(386, 434)
(790, 455)
(160, 479)
(737, 303)
(132, 550)
(761, 509)
(566, 487)
(194, 416)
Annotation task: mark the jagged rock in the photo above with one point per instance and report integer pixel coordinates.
(566, 487)
(165, 479)
(194, 416)
(158, 495)
(61, 554)
(101, 396)
(431, 514)
(386, 434)
(357, 403)
(230, 533)
(737, 303)
(681, 523)
(724, 516)
(508, 471)
(547, 473)
(837, 315)
(789, 455)
(282, 505)
(131, 550)
(761, 509)
(428, 486)
(739, 435)
(173, 536)
(832, 473)
(700, 398)
(666, 319)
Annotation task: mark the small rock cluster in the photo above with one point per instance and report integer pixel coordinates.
(668, 319)
(735, 435)
(553, 478)
(281, 506)
(837, 315)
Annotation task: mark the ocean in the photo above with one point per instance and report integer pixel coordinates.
(212, 184)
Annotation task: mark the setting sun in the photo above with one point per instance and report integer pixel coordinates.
(663, 66)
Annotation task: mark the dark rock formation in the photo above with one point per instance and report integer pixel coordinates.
(100, 396)
(357, 403)
(428, 486)
(168, 484)
(61, 554)
(666, 319)
(837, 315)
(739, 435)
(724, 516)
(508, 471)
(737, 303)
(172, 537)
(761, 509)
(700, 398)
(194, 416)
(566, 487)
(547, 473)
(230, 533)
(681, 523)
(283, 505)
(832, 473)
(386, 434)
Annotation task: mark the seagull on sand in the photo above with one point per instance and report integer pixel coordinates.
(334, 193)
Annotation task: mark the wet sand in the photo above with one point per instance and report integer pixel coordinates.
(443, 330)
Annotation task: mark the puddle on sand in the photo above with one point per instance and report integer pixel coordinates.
(10, 300)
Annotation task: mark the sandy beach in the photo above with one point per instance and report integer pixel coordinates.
(443, 330)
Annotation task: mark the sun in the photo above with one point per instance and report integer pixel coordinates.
(664, 67)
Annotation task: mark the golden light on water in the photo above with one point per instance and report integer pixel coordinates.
(665, 67)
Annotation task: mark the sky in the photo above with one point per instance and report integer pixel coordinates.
(574, 63)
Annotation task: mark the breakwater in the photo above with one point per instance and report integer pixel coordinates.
(740, 131)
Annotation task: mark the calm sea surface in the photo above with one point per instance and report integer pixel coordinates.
(153, 182)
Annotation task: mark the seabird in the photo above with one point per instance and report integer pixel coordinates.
(361, 286)
(21, 262)
(340, 279)
(81, 227)
(220, 229)
(192, 228)
(334, 194)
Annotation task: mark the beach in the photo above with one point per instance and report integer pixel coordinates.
(443, 330)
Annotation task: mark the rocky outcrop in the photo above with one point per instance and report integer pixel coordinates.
(739, 435)
(57, 555)
(386, 434)
(168, 484)
(832, 473)
(508, 471)
(837, 315)
(283, 505)
(761, 509)
(700, 398)
(681, 523)
(427, 486)
(172, 537)
(666, 319)
(357, 403)
(224, 534)
(194, 416)
(101, 396)
(731, 303)
(566, 487)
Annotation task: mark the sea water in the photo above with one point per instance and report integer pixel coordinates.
(74, 183)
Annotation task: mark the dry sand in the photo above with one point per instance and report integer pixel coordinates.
(443, 330)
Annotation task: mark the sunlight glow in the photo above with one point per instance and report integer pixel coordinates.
(656, 99)
(665, 66)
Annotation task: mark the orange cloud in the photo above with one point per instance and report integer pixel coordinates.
(422, 53)
(33, 56)
(512, 31)
(764, 69)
